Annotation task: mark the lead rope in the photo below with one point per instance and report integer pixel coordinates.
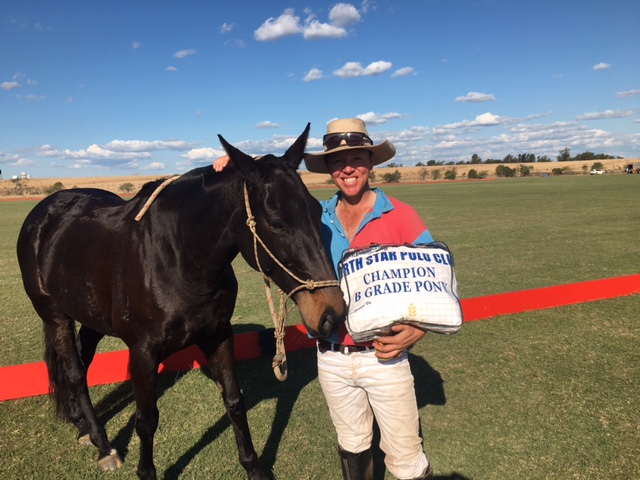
(153, 196)
(279, 320)
(279, 363)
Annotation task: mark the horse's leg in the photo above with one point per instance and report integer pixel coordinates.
(87, 343)
(73, 378)
(144, 375)
(222, 365)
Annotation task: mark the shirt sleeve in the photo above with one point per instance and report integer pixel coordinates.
(424, 237)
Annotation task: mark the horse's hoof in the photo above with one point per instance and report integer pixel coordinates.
(110, 462)
(85, 440)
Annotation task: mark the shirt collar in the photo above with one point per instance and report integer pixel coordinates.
(381, 205)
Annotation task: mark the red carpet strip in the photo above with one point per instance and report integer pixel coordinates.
(27, 380)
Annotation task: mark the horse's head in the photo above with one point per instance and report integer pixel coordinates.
(286, 244)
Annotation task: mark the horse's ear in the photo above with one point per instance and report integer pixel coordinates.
(294, 154)
(243, 162)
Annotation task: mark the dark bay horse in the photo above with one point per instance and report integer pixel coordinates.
(166, 282)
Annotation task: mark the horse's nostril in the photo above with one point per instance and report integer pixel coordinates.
(328, 324)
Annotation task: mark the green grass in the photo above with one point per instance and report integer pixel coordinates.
(546, 395)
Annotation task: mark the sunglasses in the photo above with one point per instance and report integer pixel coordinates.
(353, 139)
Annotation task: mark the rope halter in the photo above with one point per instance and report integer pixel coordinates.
(279, 319)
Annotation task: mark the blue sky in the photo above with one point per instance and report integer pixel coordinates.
(143, 87)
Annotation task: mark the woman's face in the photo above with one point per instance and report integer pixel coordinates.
(350, 170)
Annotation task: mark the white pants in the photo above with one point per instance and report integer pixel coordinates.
(358, 386)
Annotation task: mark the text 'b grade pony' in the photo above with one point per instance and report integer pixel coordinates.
(166, 282)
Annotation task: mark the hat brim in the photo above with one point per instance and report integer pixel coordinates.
(315, 162)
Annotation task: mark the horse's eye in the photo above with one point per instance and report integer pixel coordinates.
(276, 227)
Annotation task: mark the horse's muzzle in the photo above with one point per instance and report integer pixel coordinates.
(322, 310)
(329, 323)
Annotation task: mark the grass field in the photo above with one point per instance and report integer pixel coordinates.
(540, 395)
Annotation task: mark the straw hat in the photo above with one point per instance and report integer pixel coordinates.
(315, 162)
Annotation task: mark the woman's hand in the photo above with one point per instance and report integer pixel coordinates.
(221, 162)
(392, 346)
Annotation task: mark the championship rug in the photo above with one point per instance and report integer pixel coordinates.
(30, 379)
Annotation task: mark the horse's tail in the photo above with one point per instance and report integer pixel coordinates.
(59, 387)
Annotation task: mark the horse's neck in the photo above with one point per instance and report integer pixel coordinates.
(224, 209)
(207, 216)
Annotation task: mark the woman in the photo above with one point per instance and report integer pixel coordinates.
(363, 381)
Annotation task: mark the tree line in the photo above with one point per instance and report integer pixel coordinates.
(564, 155)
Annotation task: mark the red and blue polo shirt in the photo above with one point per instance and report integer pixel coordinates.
(390, 221)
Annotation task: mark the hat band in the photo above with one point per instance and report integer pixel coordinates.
(352, 139)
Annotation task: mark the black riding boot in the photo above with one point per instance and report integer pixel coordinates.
(356, 466)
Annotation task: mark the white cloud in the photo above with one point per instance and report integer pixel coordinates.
(117, 153)
(418, 143)
(484, 120)
(354, 69)
(628, 93)
(513, 136)
(235, 43)
(606, 115)
(227, 27)
(184, 53)
(154, 166)
(314, 74)
(267, 124)
(9, 85)
(24, 162)
(476, 97)
(147, 146)
(372, 118)
(171, 68)
(413, 135)
(275, 28)
(349, 70)
(315, 30)
(9, 158)
(377, 68)
(343, 15)
(136, 45)
(203, 154)
(80, 164)
(487, 119)
(93, 152)
(601, 66)
(403, 72)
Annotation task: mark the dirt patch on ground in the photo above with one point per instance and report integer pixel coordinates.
(37, 186)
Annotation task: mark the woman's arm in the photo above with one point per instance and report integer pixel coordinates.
(403, 337)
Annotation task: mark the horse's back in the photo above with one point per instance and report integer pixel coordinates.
(69, 202)
(61, 209)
